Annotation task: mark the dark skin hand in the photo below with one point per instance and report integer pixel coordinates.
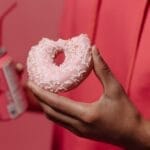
(112, 118)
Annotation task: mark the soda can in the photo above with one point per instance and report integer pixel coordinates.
(12, 96)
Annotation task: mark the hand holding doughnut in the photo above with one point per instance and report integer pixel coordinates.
(112, 118)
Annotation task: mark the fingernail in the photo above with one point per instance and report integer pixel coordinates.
(94, 47)
(95, 50)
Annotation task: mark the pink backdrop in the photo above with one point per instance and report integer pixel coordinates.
(24, 26)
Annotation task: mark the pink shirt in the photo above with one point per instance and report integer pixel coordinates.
(121, 30)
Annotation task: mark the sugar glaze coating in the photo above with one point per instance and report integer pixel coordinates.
(77, 63)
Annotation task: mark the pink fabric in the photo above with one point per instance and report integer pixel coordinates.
(118, 34)
(140, 83)
(78, 17)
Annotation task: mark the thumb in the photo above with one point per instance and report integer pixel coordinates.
(101, 69)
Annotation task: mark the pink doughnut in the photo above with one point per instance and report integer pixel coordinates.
(43, 71)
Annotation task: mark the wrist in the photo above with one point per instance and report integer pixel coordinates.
(142, 136)
(139, 137)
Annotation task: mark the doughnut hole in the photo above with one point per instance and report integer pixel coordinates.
(59, 57)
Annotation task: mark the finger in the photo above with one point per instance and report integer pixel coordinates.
(59, 118)
(19, 68)
(60, 103)
(101, 69)
(32, 100)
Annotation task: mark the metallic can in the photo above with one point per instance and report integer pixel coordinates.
(12, 97)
